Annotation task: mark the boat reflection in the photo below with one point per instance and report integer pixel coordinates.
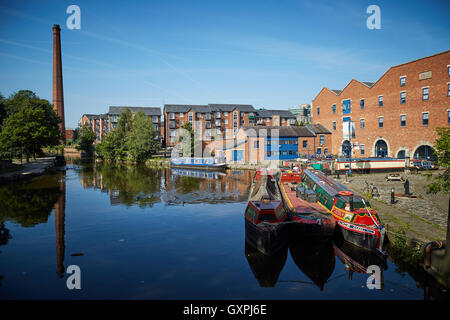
(315, 260)
(266, 267)
(357, 259)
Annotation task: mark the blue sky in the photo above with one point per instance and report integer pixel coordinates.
(271, 54)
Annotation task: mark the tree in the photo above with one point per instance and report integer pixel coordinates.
(2, 110)
(20, 99)
(442, 150)
(141, 139)
(86, 139)
(28, 130)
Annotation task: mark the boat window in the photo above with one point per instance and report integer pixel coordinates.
(251, 212)
(266, 217)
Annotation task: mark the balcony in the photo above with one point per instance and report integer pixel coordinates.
(218, 115)
(218, 123)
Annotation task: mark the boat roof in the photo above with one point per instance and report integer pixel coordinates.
(262, 205)
(329, 185)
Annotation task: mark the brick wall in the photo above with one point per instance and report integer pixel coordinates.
(409, 137)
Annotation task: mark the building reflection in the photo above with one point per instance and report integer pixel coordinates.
(143, 186)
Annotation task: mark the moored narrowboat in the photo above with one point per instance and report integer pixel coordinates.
(265, 215)
(309, 220)
(357, 222)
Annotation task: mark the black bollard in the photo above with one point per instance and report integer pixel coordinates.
(392, 196)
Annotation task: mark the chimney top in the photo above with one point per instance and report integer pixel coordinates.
(56, 26)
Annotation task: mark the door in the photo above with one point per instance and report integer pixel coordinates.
(238, 155)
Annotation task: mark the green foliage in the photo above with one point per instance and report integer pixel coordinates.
(400, 251)
(134, 139)
(86, 139)
(76, 135)
(140, 139)
(442, 150)
(32, 126)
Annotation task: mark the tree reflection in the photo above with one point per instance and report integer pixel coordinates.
(28, 203)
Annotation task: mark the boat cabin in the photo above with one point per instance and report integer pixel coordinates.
(265, 210)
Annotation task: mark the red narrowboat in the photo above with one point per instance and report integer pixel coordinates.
(265, 214)
(310, 221)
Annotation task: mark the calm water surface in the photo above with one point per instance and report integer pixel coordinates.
(139, 233)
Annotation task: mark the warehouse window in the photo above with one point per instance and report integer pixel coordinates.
(402, 81)
(403, 97)
(362, 123)
(363, 149)
(403, 120)
(380, 122)
(425, 119)
(334, 125)
(380, 101)
(361, 103)
(334, 108)
(425, 93)
(318, 110)
(322, 139)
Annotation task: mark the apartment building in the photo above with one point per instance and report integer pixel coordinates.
(219, 120)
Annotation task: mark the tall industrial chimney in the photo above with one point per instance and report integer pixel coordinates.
(58, 96)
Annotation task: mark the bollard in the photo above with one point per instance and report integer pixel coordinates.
(392, 196)
(406, 186)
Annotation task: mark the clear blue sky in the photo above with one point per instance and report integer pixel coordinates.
(272, 54)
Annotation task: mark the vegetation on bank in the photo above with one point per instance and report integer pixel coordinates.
(134, 139)
(27, 125)
(441, 182)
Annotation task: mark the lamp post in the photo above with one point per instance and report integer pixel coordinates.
(350, 148)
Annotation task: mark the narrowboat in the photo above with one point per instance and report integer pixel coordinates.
(316, 260)
(197, 163)
(309, 220)
(356, 221)
(265, 215)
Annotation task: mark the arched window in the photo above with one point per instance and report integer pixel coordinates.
(381, 149)
(425, 152)
(401, 154)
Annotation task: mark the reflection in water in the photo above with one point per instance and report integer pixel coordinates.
(266, 268)
(315, 260)
(143, 186)
(29, 203)
(60, 216)
(358, 259)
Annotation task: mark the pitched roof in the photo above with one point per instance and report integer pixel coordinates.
(270, 113)
(290, 131)
(95, 116)
(149, 111)
(231, 107)
(318, 128)
(336, 91)
(186, 108)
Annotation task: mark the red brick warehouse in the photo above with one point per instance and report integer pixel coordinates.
(396, 116)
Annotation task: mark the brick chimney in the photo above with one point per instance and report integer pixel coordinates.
(58, 96)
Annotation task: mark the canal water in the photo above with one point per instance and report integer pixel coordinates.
(141, 233)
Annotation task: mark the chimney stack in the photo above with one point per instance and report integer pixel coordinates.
(58, 97)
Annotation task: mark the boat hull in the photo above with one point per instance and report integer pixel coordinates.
(359, 235)
(200, 167)
(268, 239)
(311, 229)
